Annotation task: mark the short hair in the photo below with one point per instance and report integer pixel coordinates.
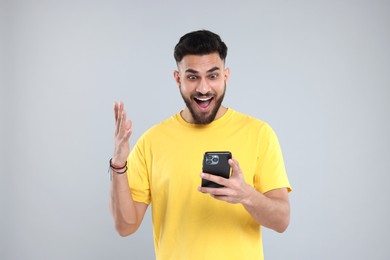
(200, 42)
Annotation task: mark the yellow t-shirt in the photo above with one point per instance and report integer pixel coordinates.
(164, 170)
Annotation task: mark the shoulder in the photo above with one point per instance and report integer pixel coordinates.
(248, 120)
(158, 129)
(253, 125)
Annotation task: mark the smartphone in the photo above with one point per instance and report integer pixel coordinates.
(216, 163)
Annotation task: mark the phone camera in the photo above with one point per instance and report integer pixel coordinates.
(212, 159)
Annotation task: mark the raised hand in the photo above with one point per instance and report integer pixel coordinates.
(123, 130)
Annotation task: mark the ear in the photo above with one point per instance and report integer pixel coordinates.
(227, 74)
(176, 75)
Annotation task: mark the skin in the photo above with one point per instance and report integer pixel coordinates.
(200, 78)
(202, 82)
(271, 209)
(127, 213)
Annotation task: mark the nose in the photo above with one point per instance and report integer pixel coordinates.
(203, 87)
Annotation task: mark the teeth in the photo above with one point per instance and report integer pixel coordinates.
(203, 99)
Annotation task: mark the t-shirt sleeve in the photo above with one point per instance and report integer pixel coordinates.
(138, 173)
(270, 173)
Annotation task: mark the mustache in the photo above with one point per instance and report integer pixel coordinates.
(200, 95)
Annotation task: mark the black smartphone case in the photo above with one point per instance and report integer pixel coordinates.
(216, 163)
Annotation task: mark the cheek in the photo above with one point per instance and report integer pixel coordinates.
(184, 90)
(218, 86)
(187, 87)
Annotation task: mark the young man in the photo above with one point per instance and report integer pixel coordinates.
(163, 169)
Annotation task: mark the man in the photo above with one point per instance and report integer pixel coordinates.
(163, 169)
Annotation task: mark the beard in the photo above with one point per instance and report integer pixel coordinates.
(203, 118)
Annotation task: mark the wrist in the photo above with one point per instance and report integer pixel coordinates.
(250, 197)
(117, 164)
(117, 168)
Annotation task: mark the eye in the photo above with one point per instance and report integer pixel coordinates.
(213, 76)
(192, 77)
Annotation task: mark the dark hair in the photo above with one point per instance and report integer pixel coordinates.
(200, 43)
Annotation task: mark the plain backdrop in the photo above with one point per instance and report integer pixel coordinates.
(317, 71)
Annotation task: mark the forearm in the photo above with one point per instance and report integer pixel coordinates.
(122, 205)
(271, 210)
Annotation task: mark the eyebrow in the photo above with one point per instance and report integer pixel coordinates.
(196, 72)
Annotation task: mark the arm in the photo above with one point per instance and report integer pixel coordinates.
(271, 209)
(127, 213)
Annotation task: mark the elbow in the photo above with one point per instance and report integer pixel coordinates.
(282, 225)
(124, 233)
(125, 230)
(281, 228)
(284, 220)
(124, 226)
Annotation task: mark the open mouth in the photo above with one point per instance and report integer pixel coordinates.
(203, 102)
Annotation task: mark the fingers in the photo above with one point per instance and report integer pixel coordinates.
(117, 113)
(122, 125)
(235, 166)
(224, 193)
(236, 172)
(129, 129)
(214, 178)
(121, 121)
(118, 108)
(215, 191)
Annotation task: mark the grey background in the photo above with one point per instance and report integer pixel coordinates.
(317, 71)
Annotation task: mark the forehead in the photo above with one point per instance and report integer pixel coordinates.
(200, 63)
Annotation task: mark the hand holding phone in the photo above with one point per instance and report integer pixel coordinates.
(216, 163)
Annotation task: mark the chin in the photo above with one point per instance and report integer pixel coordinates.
(203, 118)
